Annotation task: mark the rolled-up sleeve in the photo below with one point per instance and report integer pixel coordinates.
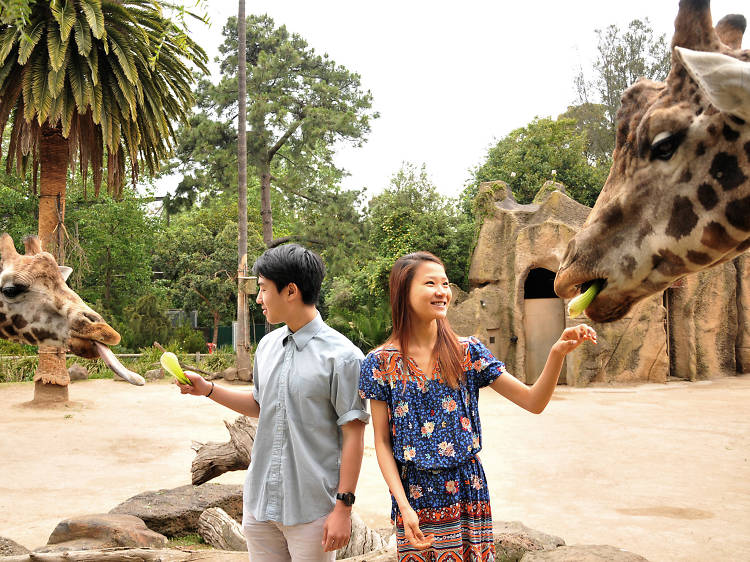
(345, 397)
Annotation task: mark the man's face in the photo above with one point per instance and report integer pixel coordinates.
(274, 304)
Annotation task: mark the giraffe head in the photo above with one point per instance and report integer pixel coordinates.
(38, 308)
(677, 199)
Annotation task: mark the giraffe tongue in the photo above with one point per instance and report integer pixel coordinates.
(111, 361)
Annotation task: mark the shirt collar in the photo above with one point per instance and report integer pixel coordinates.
(307, 332)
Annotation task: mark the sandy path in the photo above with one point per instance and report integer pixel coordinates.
(660, 470)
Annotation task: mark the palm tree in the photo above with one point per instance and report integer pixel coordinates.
(90, 84)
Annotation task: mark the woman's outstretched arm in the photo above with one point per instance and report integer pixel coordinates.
(536, 397)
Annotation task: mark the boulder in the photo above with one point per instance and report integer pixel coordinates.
(583, 553)
(94, 532)
(229, 374)
(9, 547)
(154, 375)
(78, 372)
(513, 540)
(176, 512)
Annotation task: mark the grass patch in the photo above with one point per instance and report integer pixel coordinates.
(22, 368)
(192, 540)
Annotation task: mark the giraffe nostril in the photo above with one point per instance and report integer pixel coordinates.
(93, 317)
(569, 256)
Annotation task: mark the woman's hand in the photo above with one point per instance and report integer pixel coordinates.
(572, 338)
(412, 532)
(200, 386)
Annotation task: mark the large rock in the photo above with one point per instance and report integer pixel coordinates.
(94, 532)
(175, 512)
(9, 547)
(583, 553)
(513, 540)
(709, 321)
(78, 372)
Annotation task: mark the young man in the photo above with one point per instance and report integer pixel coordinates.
(308, 448)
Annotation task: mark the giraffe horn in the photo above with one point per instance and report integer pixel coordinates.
(730, 30)
(693, 27)
(7, 249)
(32, 245)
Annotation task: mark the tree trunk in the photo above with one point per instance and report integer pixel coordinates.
(215, 336)
(219, 530)
(244, 372)
(214, 459)
(265, 203)
(51, 379)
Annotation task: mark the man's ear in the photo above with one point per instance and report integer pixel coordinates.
(292, 290)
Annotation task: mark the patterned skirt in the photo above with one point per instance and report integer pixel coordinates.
(454, 505)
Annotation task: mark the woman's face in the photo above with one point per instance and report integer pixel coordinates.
(430, 292)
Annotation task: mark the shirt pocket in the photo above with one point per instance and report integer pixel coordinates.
(312, 395)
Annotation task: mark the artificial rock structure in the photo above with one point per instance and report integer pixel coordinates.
(698, 329)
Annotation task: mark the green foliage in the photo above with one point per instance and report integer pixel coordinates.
(110, 250)
(300, 106)
(366, 327)
(197, 254)
(527, 156)
(409, 216)
(146, 322)
(188, 339)
(113, 75)
(623, 57)
(18, 209)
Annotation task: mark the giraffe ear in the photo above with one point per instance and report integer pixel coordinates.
(723, 79)
(65, 271)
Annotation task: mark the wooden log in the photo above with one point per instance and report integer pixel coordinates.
(221, 531)
(363, 540)
(214, 459)
(105, 555)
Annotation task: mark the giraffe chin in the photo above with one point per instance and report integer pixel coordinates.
(604, 309)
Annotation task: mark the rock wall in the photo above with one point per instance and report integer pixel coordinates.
(708, 316)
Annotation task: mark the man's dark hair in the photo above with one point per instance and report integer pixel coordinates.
(291, 263)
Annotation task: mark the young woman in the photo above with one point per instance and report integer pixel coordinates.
(424, 387)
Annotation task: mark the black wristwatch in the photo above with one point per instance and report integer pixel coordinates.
(347, 498)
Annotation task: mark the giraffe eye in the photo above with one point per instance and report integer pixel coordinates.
(12, 291)
(665, 145)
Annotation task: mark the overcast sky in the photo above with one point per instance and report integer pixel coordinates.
(451, 78)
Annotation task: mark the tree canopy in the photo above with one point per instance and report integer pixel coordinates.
(543, 150)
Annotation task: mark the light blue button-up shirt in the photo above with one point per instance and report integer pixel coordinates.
(307, 386)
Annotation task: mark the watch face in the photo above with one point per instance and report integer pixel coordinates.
(347, 498)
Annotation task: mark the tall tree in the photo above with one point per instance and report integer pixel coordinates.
(300, 104)
(85, 79)
(545, 149)
(623, 57)
(243, 355)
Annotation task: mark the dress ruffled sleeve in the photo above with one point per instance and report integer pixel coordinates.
(485, 366)
(371, 384)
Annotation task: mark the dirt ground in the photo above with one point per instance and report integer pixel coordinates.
(659, 470)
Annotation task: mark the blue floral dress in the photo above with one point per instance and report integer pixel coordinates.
(436, 435)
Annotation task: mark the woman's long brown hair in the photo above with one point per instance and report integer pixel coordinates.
(448, 351)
